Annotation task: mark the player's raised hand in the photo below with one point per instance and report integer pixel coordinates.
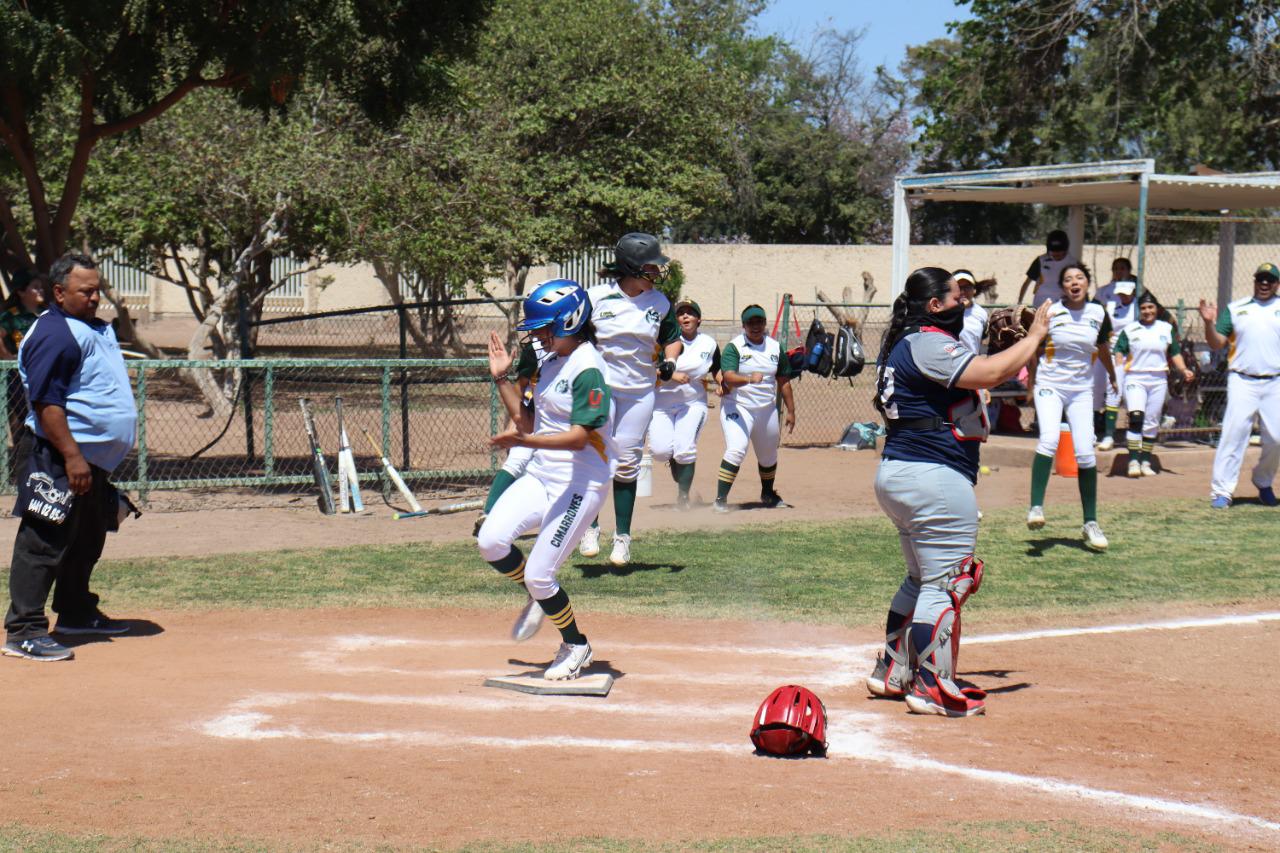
(1208, 311)
(1039, 327)
(499, 359)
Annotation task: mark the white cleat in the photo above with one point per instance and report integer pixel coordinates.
(1147, 470)
(569, 663)
(1135, 470)
(621, 554)
(1035, 518)
(1107, 443)
(590, 544)
(1093, 536)
(528, 622)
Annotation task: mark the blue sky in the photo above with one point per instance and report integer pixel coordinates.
(891, 25)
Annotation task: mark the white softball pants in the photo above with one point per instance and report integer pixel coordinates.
(1078, 404)
(1146, 392)
(631, 417)
(1247, 397)
(674, 430)
(757, 428)
(562, 511)
(1104, 396)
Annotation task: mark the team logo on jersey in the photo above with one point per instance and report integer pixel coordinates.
(595, 397)
(1045, 392)
(605, 315)
(774, 359)
(562, 387)
(652, 315)
(1095, 324)
(733, 416)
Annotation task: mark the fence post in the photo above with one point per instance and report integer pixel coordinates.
(784, 338)
(268, 420)
(386, 411)
(246, 381)
(142, 434)
(404, 389)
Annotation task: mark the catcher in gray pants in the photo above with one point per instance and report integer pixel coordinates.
(926, 389)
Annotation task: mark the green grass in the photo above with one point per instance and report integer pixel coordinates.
(835, 573)
(983, 837)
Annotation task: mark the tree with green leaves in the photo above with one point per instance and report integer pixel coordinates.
(115, 65)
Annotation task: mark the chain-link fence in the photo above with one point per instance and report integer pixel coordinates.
(433, 417)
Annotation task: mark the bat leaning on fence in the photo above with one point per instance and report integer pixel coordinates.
(319, 470)
(348, 479)
(393, 474)
(440, 510)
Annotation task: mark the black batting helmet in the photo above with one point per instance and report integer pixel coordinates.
(635, 250)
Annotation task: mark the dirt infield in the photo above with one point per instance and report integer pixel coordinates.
(362, 726)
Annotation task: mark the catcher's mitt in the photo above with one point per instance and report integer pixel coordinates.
(1007, 326)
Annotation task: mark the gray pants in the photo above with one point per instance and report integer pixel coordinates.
(936, 514)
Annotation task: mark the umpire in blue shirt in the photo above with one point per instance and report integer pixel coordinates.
(84, 418)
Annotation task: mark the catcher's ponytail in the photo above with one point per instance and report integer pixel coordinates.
(910, 310)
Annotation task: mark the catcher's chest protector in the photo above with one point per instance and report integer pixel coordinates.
(790, 721)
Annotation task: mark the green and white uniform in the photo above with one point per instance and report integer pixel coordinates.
(1146, 350)
(749, 413)
(680, 409)
(1252, 329)
(560, 491)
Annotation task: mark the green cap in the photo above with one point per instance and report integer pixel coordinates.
(753, 312)
(1268, 269)
(689, 305)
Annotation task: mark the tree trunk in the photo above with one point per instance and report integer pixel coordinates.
(390, 278)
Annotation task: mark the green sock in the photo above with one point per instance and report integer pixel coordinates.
(767, 475)
(511, 565)
(624, 506)
(684, 478)
(1041, 466)
(1109, 425)
(1089, 493)
(728, 473)
(1147, 447)
(560, 612)
(676, 467)
(501, 482)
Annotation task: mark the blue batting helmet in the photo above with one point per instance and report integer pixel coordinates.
(560, 304)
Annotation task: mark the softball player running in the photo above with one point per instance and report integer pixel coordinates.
(975, 316)
(1147, 347)
(517, 457)
(680, 406)
(564, 483)
(638, 337)
(1079, 334)
(1045, 271)
(1117, 299)
(1251, 328)
(926, 389)
(754, 371)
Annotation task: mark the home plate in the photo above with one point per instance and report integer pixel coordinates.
(532, 682)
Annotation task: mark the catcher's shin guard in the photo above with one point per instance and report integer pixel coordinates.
(892, 676)
(939, 658)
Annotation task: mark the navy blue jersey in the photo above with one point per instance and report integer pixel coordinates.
(919, 384)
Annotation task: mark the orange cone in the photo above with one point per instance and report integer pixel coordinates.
(1064, 461)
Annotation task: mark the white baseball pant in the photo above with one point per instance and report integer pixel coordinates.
(1078, 404)
(1247, 397)
(631, 417)
(1146, 392)
(1104, 396)
(758, 427)
(673, 432)
(562, 511)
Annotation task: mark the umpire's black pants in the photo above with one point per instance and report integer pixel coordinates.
(44, 553)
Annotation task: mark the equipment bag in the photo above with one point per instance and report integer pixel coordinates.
(848, 358)
(818, 344)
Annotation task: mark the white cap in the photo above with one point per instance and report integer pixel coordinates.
(1126, 288)
(964, 276)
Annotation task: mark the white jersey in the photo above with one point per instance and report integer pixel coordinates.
(698, 358)
(572, 390)
(1071, 346)
(1147, 348)
(1252, 330)
(631, 332)
(1121, 315)
(975, 328)
(1047, 274)
(765, 358)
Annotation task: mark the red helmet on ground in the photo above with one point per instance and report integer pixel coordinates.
(791, 721)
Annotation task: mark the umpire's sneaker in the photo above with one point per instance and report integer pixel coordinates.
(38, 648)
(1093, 536)
(99, 623)
(590, 544)
(1267, 496)
(528, 622)
(570, 661)
(1107, 443)
(1035, 518)
(1220, 502)
(621, 553)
